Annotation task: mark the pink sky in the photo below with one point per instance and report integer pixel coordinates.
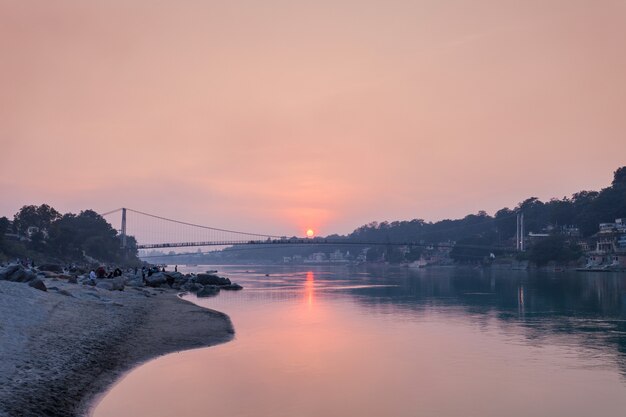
(276, 116)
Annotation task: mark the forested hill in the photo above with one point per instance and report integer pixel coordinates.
(43, 234)
(585, 210)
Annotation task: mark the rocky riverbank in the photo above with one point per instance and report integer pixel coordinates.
(62, 343)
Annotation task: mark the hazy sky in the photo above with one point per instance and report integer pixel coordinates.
(274, 116)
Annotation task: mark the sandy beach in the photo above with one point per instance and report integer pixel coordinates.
(60, 349)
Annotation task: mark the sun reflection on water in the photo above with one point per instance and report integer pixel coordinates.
(309, 288)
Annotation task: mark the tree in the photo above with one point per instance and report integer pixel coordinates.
(88, 233)
(40, 217)
(506, 221)
(374, 254)
(4, 227)
(415, 253)
(471, 250)
(553, 248)
(619, 177)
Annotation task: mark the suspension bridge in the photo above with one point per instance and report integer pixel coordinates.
(151, 231)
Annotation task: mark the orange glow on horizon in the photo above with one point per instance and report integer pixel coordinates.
(310, 233)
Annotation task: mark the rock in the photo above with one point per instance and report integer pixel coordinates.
(191, 287)
(208, 291)
(156, 279)
(21, 274)
(51, 268)
(177, 276)
(232, 287)
(169, 280)
(105, 285)
(118, 283)
(111, 284)
(137, 282)
(210, 279)
(78, 270)
(8, 271)
(72, 280)
(37, 284)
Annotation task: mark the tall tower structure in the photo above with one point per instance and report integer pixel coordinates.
(522, 248)
(123, 230)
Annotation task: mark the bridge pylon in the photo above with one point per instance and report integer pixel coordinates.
(123, 229)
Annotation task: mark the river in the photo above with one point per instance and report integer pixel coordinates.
(384, 341)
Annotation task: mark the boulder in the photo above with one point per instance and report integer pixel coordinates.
(72, 280)
(118, 283)
(7, 271)
(54, 275)
(51, 268)
(21, 274)
(78, 270)
(232, 287)
(137, 282)
(105, 285)
(210, 279)
(191, 287)
(208, 291)
(156, 279)
(176, 276)
(37, 284)
(111, 284)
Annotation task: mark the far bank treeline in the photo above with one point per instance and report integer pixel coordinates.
(43, 234)
(476, 235)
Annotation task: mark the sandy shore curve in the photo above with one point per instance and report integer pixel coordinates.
(62, 348)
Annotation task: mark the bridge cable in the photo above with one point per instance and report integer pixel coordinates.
(201, 226)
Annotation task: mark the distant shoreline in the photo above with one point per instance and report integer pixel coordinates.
(61, 352)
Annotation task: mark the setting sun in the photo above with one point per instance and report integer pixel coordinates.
(310, 233)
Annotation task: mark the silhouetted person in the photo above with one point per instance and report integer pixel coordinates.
(100, 272)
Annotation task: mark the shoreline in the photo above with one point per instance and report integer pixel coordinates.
(63, 349)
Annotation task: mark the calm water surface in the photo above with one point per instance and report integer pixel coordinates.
(338, 341)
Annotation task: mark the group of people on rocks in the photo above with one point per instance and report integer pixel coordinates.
(25, 262)
(101, 272)
(104, 272)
